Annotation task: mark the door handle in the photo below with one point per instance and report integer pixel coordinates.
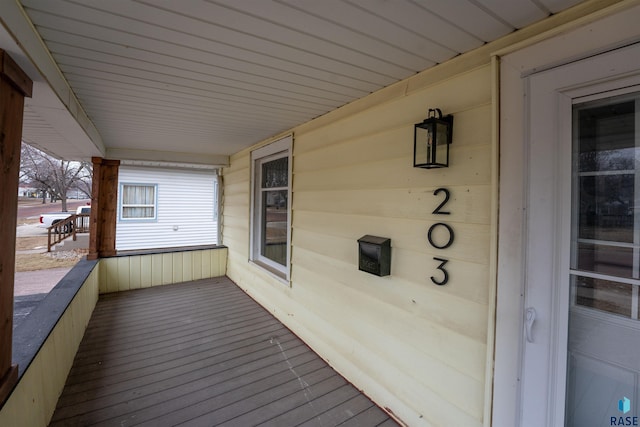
(530, 318)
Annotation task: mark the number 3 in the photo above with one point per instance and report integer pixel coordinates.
(444, 272)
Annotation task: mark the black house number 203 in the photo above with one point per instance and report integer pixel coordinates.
(441, 228)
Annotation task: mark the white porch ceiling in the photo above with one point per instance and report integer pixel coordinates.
(211, 77)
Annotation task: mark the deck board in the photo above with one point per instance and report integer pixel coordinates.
(201, 353)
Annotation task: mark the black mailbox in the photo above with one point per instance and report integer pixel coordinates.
(375, 255)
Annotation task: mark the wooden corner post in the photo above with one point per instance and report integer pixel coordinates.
(104, 203)
(14, 86)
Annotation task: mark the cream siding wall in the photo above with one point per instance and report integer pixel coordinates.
(417, 348)
(185, 199)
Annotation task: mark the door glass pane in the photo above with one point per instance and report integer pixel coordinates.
(604, 295)
(606, 135)
(603, 365)
(606, 214)
(603, 258)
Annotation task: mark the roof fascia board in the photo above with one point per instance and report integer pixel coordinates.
(125, 154)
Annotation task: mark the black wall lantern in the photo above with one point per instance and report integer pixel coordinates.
(431, 140)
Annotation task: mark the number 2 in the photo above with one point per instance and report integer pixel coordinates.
(437, 211)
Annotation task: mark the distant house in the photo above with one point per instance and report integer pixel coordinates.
(28, 192)
(161, 208)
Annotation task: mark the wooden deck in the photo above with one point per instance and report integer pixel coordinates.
(202, 354)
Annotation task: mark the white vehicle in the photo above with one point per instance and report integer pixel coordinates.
(49, 219)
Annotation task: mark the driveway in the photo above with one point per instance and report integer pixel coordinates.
(30, 230)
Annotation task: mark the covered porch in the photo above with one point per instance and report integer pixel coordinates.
(307, 112)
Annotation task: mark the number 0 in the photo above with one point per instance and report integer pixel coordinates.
(430, 238)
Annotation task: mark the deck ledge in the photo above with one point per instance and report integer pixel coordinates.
(31, 334)
(165, 250)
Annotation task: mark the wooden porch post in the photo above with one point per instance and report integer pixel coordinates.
(104, 203)
(14, 86)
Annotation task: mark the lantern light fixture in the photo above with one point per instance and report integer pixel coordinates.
(431, 140)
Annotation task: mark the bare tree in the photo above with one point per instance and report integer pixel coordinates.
(53, 176)
(83, 184)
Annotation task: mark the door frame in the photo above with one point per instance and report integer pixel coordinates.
(550, 98)
(611, 29)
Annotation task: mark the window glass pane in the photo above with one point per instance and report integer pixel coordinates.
(138, 201)
(606, 214)
(137, 212)
(604, 295)
(275, 173)
(274, 226)
(138, 195)
(607, 140)
(605, 259)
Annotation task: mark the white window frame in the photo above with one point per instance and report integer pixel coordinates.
(278, 149)
(122, 205)
(218, 192)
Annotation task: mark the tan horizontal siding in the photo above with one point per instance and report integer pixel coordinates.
(409, 308)
(398, 173)
(239, 175)
(471, 201)
(468, 245)
(428, 349)
(404, 110)
(392, 142)
(239, 222)
(400, 337)
(236, 211)
(238, 239)
(455, 309)
(237, 198)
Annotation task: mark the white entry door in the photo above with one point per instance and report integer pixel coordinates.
(581, 337)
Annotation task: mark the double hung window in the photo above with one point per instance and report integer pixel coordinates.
(271, 207)
(138, 202)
